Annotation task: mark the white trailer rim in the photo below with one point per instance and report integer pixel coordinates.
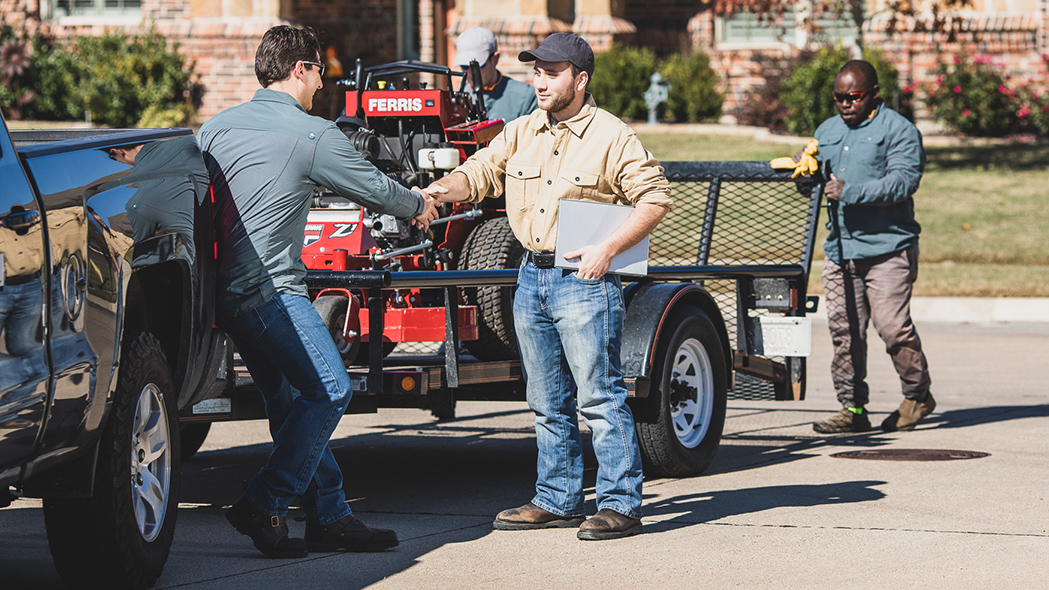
(691, 415)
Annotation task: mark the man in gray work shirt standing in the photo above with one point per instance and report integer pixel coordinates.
(265, 158)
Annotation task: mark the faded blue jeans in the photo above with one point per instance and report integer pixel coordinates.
(569, 332)
(294, 363)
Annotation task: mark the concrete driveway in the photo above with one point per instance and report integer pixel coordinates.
(776, 509)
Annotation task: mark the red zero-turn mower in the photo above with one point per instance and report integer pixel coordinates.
(415, 134)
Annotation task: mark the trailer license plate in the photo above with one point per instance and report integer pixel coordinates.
(218, 405)
(786, 336)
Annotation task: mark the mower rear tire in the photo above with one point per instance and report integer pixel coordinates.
(492, 245)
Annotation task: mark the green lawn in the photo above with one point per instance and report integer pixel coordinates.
(984, 210)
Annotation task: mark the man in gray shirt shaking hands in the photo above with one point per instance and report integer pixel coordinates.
(265, 158)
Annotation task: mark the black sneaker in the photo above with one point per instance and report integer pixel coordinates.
(268, 533)
(844, 421)
(348, 534)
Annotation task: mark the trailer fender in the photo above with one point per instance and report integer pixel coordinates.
(649, 306)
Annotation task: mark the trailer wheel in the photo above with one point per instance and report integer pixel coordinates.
(332, 310)
(492, 245)
(690, 387)
(192, 436)
(121, 536)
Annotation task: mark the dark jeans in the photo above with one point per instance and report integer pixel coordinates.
(293, 361)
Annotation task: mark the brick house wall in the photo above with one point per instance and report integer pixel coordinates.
(219, 39)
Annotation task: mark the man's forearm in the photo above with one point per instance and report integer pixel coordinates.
(639, 224)
(453, 188)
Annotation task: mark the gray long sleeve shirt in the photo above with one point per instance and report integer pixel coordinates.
(881, 162)
(265, 158)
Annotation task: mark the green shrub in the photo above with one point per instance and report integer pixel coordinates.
(123, 80)
(971, 96)
(806, 93)
(123, 76)
(54, 79)
(763, 105)
(693, 93)
(621, 76)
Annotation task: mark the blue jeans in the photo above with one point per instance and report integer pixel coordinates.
(294, 363)
(20, 325)
(569, 332)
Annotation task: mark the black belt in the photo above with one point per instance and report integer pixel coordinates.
(541, 259)
(21, 279)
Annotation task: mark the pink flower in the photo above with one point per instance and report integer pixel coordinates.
(1023, 112)
(1002, 89)
(957, 89)
(982, 59)
(957, 60)
(910, 87)
(939, 79)
(966, 113)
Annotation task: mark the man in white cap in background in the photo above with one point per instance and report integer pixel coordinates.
(504, 98)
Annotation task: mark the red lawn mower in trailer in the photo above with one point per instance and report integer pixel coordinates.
(415, 134)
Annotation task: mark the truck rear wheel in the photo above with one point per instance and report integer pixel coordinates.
(120, 537)
(492, 245)
(690, 386)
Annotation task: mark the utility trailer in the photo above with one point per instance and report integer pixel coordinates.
(721, 312)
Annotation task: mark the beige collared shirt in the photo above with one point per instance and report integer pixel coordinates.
(591, 157)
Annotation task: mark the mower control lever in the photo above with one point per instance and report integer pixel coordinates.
(471, 214)
(402, 251)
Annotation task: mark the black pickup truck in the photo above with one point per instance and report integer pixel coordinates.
(106, 333)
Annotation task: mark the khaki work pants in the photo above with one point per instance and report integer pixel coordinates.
(878, 289)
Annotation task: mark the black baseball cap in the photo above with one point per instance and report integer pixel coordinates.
(563, 47)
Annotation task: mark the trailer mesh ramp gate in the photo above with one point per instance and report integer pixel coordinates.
(735, 214)
(729, 214)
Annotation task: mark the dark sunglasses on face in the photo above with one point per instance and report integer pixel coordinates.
(850, 97)
(314, 63)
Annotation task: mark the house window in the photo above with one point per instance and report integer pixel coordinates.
(96, 7)
(748, 29)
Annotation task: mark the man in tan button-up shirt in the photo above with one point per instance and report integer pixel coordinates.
(569, 324)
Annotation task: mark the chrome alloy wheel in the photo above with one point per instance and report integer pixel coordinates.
(692, 393)
(150, 462)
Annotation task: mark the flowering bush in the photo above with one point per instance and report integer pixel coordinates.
(973, 97)
(1034, 108)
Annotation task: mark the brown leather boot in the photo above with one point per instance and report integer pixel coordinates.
(348, 534)
(909, 414)
(844, 421)
(268, 533)
(608, 524)
(530, 517)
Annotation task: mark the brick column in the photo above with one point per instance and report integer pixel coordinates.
(600, 22)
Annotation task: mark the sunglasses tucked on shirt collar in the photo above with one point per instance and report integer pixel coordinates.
(847, 97)
(314, 63)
